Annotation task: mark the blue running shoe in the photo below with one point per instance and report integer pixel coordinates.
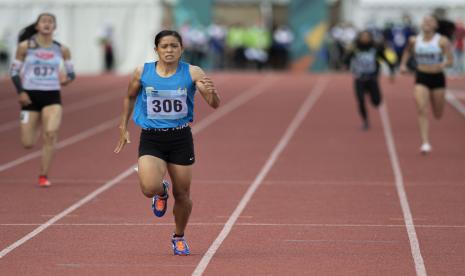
(180, 247)
(160, 203)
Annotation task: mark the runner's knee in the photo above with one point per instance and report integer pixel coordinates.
(148, 192)
(438, 114)
(27, 143)
(151, 190)
(50, 137)
(422, 110)
(181, 195)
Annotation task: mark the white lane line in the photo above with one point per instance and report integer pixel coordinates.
(408, 219)
(64, 143)
(91, 181)
(120, 265)
(246, 182)
(236, 102)
(452, 99)
(226, 182)
(344, 241)
(244, 224)
(68, 210)
(295, 123)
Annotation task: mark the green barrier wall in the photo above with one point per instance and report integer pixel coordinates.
(307, 18)
(197, 12)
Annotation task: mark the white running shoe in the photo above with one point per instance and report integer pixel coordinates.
(425, 148)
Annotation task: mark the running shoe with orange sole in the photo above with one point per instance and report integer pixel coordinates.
(160, 203)
(180, 247)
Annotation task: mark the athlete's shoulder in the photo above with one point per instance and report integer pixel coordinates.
(150, 65)
(443, 40)
(138, 71)
(193, 68)
(196, 72)
(185, 65)
(60, 45)
(21, 51)
(23, 45)
(31, 42)
(65, 51)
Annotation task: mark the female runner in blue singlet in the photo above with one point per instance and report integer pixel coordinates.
(161, 94)
(36, 75)
(432, 53)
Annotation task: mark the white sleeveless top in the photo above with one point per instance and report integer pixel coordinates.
(41, 69)
(428, 52)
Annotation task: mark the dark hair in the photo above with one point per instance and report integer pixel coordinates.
(30, 30)
(358, 40)
(359, 35)
(164, 33)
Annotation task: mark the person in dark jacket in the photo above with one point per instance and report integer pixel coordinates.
(364, 63)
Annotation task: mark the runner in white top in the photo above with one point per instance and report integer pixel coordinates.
(36, 75)
(432, 53)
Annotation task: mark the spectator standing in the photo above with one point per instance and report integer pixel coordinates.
(4, 57)
(279, 51)
(257, 43)
(397, 36)
(217, 35)
(106, 40)
(235, 42)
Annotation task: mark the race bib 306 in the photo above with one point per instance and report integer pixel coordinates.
(166, 104)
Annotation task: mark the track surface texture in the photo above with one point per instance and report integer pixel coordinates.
(286, 183)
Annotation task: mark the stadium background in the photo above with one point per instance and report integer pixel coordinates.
(83, 23)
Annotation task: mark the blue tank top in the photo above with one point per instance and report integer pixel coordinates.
(164, 102)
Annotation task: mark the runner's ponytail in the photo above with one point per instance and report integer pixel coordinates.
(27, 32)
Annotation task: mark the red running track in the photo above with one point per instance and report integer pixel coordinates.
(317, 196)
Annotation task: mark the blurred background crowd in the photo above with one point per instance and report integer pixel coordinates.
(394, 36)
(231, 34)
(237, 46)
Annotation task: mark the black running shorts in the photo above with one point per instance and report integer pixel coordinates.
(431, 80)
(173, 145)
(41, 99)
